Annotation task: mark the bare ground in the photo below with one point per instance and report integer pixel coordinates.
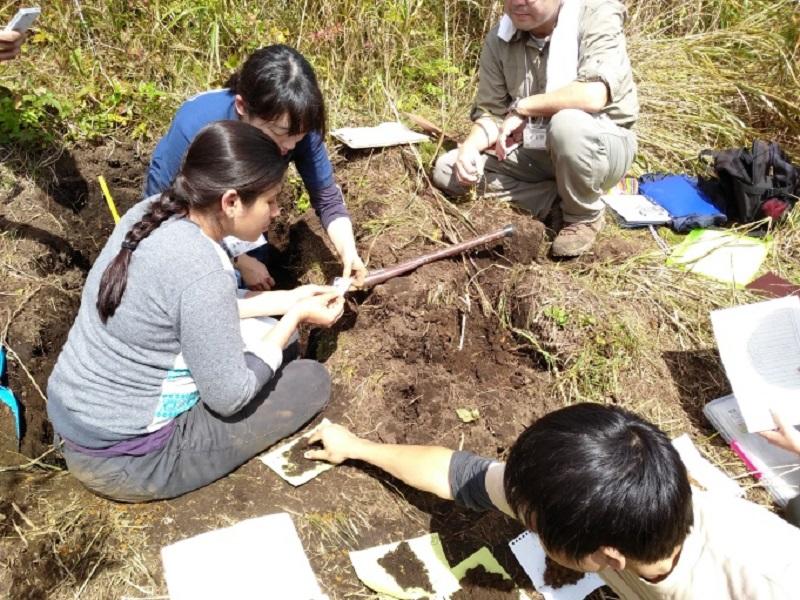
(504, 330)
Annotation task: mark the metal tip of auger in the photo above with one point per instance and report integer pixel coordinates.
(509, 230)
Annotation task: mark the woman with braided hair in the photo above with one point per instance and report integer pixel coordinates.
(160, 388)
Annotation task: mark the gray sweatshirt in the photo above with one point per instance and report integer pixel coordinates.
(173, 341)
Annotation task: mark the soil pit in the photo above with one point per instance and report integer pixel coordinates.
(557, 576)
(480, 584)
(407, 569)
(296, 462)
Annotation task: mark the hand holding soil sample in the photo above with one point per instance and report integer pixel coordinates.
(407, 569)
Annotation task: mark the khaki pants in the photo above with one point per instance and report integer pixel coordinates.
(586, 155)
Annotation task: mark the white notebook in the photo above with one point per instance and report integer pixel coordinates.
(760, 349)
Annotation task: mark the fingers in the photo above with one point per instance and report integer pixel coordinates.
(317, 455)
(348, 267)
(783, 426)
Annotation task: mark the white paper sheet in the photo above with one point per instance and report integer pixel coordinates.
(636, 210)
(276, 460)
(529, 553)
(256, 559)
(760, 349)
(428, 549)
(391, 133)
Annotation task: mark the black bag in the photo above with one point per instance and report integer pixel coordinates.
(752, 184)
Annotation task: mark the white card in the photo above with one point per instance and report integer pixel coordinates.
(529, 553)
(276, 460)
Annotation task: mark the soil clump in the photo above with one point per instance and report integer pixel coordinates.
(480, 584)
(296, 462)
(557, 576)
(407, 569)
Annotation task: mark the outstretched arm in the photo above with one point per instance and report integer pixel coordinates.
(423, 467)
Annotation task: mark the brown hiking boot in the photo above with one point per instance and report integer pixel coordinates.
(576, 238)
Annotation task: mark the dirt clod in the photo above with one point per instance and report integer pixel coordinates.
(407, 569)
(557, 576)
(296, 462)
(480, 584)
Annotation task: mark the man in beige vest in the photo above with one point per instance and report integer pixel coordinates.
(552, 115)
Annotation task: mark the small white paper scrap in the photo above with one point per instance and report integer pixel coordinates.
(276, 460)
(392, 133)
(253, 560)
(529, 553)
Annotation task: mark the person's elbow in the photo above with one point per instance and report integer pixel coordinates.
(595, 96)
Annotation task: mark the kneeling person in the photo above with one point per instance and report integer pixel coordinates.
(555, 103)
(606, 491)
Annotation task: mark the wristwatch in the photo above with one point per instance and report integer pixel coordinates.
(514, 107)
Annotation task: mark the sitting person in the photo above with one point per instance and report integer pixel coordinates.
(606, 491)
(556, 102)
(155, 393)
(276, 90)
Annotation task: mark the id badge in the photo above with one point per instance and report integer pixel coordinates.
(534, 137)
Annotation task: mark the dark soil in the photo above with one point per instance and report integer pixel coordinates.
(399, 367)
(557, 576)
(297, 463)
(408, 571)
(480, 584)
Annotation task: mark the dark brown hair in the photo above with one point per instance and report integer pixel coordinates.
(225, 155)
(278, 80)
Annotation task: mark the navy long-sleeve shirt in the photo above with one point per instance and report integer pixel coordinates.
(310, 155)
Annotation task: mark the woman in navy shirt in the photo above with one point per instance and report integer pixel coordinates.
(276, 90)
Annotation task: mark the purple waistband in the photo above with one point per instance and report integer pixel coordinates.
(138, 446)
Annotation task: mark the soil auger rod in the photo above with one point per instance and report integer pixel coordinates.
(380, 275)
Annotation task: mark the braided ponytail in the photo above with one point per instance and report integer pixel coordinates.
(223, 156)
(115, 277)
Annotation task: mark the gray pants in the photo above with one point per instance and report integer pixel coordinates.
(204, 446)
(586, 155)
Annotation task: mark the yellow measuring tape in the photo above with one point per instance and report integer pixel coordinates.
(109, 200)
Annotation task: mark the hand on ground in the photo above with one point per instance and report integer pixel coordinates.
(786, 436)
(468, 165)
(322, 309)
(254, 274)
(510, 135)
(10, 44)
(337, 444)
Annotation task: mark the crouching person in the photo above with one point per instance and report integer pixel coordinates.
(606, 492)
(155, 393)
(552, 115)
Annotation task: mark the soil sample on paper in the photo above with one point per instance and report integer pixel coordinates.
(480, 584)
(557, 576)
(407, 569)
(296, 462)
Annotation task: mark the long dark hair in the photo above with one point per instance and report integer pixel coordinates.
(278, 80)
(225, 155)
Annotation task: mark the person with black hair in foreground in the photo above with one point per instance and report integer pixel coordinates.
(606, 492)
(276, 90)
(155, 392)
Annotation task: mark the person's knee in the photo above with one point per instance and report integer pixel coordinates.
(569, 132)
(312, 382)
